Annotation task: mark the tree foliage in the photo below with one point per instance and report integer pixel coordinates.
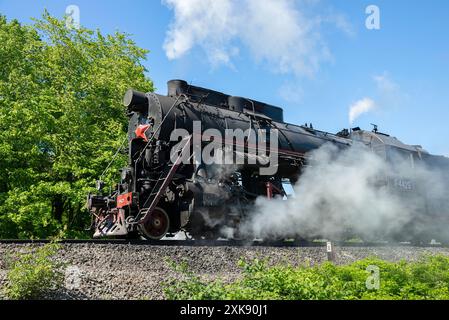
(61, 120)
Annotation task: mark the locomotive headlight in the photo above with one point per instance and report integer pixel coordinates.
(99, 185)
(124, 175)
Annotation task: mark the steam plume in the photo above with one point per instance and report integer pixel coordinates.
(360, 107)
(345, 192)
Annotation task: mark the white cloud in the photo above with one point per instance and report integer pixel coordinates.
(338, 20)
(209, 23)
(360, 107)
(276, 32)
(385, 84)
(389, 94)
(291, 92)
(342, 23)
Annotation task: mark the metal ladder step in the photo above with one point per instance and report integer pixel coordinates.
(162, 184)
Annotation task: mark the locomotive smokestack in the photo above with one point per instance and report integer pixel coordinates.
(135, 100)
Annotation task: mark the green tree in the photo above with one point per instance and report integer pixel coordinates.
(61, 120)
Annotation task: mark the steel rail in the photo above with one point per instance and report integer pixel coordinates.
(227, 243)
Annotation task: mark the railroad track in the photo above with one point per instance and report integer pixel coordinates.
(229, 243)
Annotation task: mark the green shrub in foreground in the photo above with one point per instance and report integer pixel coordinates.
(34, 273)
(427, 278)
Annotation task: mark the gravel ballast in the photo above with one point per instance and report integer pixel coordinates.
(121, 271)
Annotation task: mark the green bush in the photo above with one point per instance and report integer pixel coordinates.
(427, 278)
(33, 274)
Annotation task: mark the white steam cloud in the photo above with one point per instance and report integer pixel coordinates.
(360, 107)
(385, 84)
(342, 193)
(276, 32)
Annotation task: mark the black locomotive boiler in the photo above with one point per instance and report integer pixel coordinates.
(162, 192)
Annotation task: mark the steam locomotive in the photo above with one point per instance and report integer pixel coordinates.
(167, 186)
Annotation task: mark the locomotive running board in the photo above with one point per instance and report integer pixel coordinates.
(145, 213)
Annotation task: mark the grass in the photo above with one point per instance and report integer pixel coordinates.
(427, 278)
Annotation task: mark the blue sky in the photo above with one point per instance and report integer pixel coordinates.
(314, 58)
